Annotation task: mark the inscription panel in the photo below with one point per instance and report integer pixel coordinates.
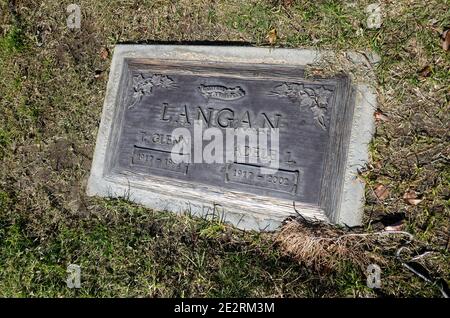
(159, 98)
(279, 180)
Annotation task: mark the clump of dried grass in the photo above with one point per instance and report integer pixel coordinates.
(326, 248)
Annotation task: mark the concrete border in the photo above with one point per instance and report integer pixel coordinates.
(351, 207)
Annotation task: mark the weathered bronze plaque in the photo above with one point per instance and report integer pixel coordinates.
(155, 96)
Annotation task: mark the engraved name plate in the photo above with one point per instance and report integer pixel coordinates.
(150, 96)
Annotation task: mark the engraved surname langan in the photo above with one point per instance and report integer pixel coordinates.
(217, 117)
(249, 174)
(221, 92)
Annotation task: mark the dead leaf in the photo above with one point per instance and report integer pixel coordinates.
(272, 36)
(414, 201)
(381, 192)
(395, 227)
(380, 116)
(104, 53)
(411, 197)
(426, 71)
(446, 40)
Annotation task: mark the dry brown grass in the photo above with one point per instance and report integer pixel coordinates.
(327, 248)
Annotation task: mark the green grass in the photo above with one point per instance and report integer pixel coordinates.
(143, 254)
(13, 42)
(50, 106)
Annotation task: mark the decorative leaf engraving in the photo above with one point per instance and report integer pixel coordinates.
(316, 99)
(144, 86)
(221, 92)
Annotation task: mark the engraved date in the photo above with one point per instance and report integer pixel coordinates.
(248, 174)
(157, 159)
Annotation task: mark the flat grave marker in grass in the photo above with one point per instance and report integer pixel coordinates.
(235, 132)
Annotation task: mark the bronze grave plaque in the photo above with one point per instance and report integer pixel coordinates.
(307, 121)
